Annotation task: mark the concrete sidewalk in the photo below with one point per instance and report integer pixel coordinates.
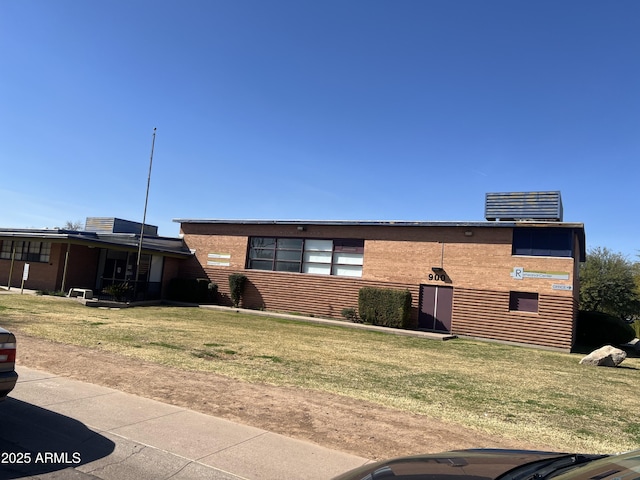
(78, 430)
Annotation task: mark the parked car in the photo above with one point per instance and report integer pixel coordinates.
(492, 464)
(8, 375)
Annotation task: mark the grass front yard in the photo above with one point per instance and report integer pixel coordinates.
(515, 392)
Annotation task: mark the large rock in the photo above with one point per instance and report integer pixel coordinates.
(606, 356)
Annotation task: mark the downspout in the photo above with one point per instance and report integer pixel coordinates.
(64, 271)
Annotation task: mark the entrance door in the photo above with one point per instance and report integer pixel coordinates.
(116, 267)
(436, 303)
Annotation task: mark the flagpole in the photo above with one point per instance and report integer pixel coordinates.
(144, 215)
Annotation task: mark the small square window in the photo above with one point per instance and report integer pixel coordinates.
(523, 302)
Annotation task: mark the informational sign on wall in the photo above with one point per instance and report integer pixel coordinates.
(219, 259)
(519, 273)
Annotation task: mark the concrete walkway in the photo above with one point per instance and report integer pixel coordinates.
(77, 430)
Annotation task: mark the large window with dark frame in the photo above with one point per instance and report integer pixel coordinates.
(545, 242)
(341, 257)
(26, 251)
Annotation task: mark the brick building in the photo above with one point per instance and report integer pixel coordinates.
(509, 280)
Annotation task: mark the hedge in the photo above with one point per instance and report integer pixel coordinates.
(193, 290)
(597, 329)
(385, 307)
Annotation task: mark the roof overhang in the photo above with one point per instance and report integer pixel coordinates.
(166, 246)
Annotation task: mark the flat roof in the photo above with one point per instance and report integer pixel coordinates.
(384, 223)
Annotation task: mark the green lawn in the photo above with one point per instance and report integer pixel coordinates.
(535, 395)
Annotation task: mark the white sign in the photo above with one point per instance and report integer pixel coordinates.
(219, 260)
(520, 273)
(558, 286)
(219, 255)
(25, 272)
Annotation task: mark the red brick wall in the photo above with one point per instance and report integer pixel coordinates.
(478, 266)
(42, 276)
(170, 270)
(82, 268)
(485, 314)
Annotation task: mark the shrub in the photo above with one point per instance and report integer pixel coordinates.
(119, 291)
(636, 327)
(596, 329)
(192, 290)
(55, 293)
(386, 307)
(212, 291)
(236, 287)
(350, 314)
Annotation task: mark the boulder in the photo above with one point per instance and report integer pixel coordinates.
(606, 356)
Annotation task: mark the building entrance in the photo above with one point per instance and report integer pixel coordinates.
(436, 304)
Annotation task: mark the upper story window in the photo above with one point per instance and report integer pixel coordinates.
(320, 256)
(26, 251)
(545, 242)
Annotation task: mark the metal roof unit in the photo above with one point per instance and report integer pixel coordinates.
(117, 225)
(523, 206)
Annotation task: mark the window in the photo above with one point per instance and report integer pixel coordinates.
(317, 256)
(523, 302)
(26, 251)
(348, 258)
(546, 242)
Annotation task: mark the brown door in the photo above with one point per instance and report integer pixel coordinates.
(436, 303)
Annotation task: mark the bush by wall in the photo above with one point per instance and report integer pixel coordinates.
(119, 291)
(236, 287)
(351, 315)
(192, 290)
(596, 329)
(385, 307)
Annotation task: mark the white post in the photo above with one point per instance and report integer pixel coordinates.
(25, 277)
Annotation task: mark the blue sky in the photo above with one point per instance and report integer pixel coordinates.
(332, 109)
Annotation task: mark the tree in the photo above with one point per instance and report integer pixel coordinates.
(77, 225)
(608, 284)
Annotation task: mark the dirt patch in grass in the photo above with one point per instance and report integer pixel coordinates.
(333, 421)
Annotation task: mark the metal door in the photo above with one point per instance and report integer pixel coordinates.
(436, 303)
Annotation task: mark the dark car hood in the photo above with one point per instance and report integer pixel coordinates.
(484, 464)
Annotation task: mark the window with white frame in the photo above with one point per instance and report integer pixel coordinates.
(342, 257)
